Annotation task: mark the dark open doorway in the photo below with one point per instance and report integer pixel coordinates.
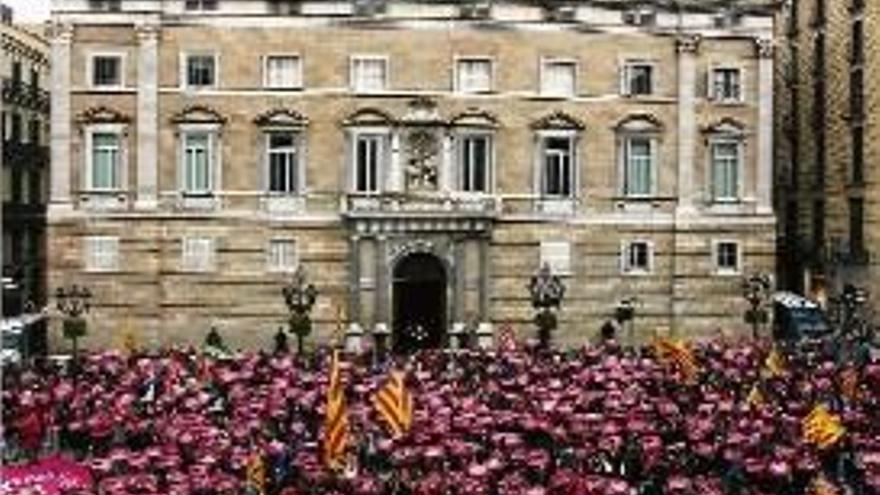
(419, 296)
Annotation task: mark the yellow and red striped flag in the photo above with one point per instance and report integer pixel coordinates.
(335, 418)
(394, 404)
(821, 486)
(755, 397)
(256, 473)
(678, 353)
(822, 428)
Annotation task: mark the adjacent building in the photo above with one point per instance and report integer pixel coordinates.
(829, 146)
(24, 68)
(420, 160)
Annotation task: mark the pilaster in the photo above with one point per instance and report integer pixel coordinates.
(60, 120)
(147, 117)
(764, 175)
(687, 48)
(394, 179)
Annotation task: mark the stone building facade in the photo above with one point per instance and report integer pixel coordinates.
(829, 146)
(24, 66)
(419, 159)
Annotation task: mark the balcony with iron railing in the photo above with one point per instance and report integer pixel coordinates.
(25, 95)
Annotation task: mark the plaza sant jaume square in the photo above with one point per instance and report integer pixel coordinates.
(439, 247)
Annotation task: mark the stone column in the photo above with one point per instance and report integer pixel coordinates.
(354, 278)
(60, 119)
(764, 172)
(394, 179)
(447, 177)
(484, 279)
(147, 117)
(382, 274)
(687, 47)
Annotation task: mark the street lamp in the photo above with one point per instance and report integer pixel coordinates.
(852, 299)
(756, 290)
(73, 302)
(626, 312)
(299, 296)
(546, 291)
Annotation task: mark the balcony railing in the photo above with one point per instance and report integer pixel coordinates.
(394, 203)
(19, 93)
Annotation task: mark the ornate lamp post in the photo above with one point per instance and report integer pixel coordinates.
(852, 299)
(546, 291)
(73, 302)
(626, 312)
(756, 290)
(299, 296)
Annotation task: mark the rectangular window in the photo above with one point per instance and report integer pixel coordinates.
(105, 164)
(281, 256)
(201, 5)
(556, 254)
(198, 254)
(726, 85)
(725, 170)
(107, 71)
(369, 74)
(197, 162)
(558, 169)
(201, 71)
(282, 158)
(16, 124)
(283, 71)
(727, 257)
(34, 131)
(35, 79)
(473, 75)
(101, 253)
(638, 166)
(16, 72)
(558, 78)
(856, 226)
(637, 257)
(638, 79)
(475, 157)
(369, 150)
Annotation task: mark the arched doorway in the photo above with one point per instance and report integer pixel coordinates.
(419, 299)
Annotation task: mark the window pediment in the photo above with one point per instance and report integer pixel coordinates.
(281, 117)
(558, 120)
(103, 115)
(198, 114)
(474, 117)
(641, 122)
(369, 117)
(726, 126)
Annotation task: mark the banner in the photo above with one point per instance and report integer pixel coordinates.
(46, 477)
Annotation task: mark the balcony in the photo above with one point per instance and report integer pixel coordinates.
(358, 204)
(21, 94)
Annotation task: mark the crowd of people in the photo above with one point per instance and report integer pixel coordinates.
(596, 420)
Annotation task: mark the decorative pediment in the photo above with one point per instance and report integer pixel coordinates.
(474, 117)
(198, 114)
(368, 117)
(558, 120)
(639, 122)
(281, 117)
(726, 125)
(103, 115)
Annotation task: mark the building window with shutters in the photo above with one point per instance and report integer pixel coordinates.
(726, 257)
(726, 169)
(473, 75)
(198, 254)
(281, 256)
(368, 161)
(474, 162)
(637, 257)
(282, 162)
(638, 159)
(199, 70)
(725, 85)
(558, 78)
(557, 165)
(638, 78)
(106, 70)
(104, 158)
(369, 73)
(101, 253)
(197, 167)
(282, 72)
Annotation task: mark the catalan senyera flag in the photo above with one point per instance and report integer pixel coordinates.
(822, 428)
(774, 364)
(256, 473)
(335, 419)
(394, 404)
(821, 486)
(678, 353)
(849, 383)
